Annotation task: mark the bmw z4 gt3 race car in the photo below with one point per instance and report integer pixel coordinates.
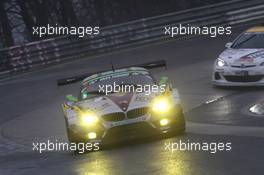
(242, 63)
(104, 115)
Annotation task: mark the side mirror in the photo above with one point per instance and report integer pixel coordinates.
(163, 80)
(71, 98)
(228, 45)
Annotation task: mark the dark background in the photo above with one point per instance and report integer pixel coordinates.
(17, 17)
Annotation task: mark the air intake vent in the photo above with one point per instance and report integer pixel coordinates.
(113, 117)
(134, 113)
(248, 78)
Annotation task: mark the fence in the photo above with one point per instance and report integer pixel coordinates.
(68, 48)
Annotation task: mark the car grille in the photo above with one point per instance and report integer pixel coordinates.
(117, 116)
(246, 66)
(249, 78)
(134, 113)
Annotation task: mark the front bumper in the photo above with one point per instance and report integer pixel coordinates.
(144, 126)
(230, 76)
(141, 130)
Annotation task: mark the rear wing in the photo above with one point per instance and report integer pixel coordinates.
(74, 79)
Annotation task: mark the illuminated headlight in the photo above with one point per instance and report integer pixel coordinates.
(164, 122)
(91, 135)
(220, 63)
(161, 105)
(88, 118)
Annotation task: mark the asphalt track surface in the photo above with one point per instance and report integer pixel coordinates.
(30, 111)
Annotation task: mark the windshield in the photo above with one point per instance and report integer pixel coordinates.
(249, 41)
(92, 89)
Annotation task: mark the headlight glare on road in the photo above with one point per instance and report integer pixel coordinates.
(89, 118)
(220, 63)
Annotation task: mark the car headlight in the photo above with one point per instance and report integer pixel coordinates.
(262, 64)
(88, 118)
(161, 104)
(220, 63)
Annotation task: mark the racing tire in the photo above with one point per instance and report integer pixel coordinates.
(181, 124)
(72, 138)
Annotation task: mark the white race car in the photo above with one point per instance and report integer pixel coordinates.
(242, 63)
(104, 118)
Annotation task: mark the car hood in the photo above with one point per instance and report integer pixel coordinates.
(238, 57)
(116, 102)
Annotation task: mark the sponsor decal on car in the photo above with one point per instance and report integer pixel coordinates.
(245, 59)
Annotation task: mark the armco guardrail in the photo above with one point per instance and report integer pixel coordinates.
(53, 51)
